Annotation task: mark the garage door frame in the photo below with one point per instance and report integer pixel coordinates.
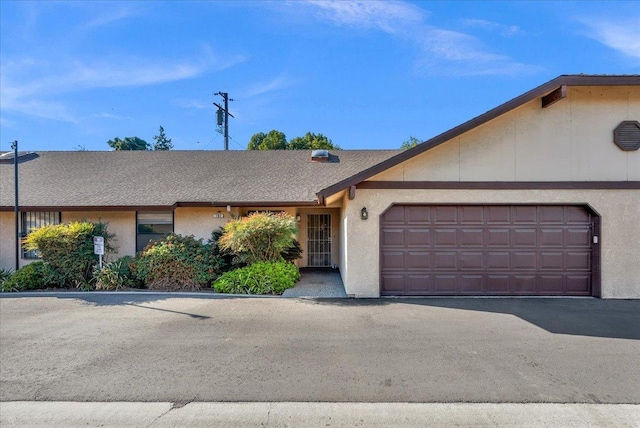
(596, 276)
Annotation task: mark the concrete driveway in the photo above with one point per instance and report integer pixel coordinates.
(167, 349)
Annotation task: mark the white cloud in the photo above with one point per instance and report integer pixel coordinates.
(442, 50)
(621, 35)
(505, 30)
(27, 84)
(274, 84)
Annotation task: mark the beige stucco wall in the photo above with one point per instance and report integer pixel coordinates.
(572, 140)
(200, 222)
(620, 234)
(122, 223)
(7, 241)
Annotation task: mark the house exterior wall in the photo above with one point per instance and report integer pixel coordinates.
(7, 241)
(619, 238)
(122, 223)
(571, 140)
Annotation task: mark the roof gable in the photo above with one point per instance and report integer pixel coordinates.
(540, 91)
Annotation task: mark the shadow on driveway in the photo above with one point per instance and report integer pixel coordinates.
(583, 316)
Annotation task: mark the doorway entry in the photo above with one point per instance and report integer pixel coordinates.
(318, 240)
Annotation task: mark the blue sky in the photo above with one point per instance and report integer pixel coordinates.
(366, 74)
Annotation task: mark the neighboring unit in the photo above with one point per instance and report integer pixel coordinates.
(539, 196)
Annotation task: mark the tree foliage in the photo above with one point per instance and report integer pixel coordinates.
(162, 142)
(276, 140)
(311, 141)
(260, 237)
(129, 143)
(411, 142)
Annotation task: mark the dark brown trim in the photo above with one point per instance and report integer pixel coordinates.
(554, 96)
(352, 192)
(162, 207)
(506, 185)
(568, 80)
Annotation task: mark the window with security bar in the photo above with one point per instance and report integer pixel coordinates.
(34, 220)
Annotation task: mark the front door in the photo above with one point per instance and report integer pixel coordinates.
(319, 240)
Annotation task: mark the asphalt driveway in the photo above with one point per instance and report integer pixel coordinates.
(153, 348)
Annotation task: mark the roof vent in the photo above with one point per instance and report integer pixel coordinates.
(320, 156)
(627, 135)
(7, 158)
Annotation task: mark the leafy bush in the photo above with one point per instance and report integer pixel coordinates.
(4, 275)
(115, 275)
(177, 263)
(260, 237)
(226, 256)
(259, 278)
(292, 253)
(68, 249)
(34, 276)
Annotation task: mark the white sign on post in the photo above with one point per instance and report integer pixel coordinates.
(98, 247)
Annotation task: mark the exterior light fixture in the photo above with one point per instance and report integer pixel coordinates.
(364, 214)
(298, 217)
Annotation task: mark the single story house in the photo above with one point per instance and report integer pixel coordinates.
(538, 196)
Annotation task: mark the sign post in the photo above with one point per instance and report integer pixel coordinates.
(98, 247)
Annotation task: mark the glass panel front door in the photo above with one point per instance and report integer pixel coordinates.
(319, 240)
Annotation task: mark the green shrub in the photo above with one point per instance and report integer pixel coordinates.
(115, 275)
(177, 263)
(5, 274)
(226, 256)
(68, 250)
(259, 278)
(292, 253)
(34, 276)
(260, 237)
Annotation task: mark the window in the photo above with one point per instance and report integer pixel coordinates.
(33, 220)
(152, 226)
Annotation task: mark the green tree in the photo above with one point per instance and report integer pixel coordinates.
(129, 143)
(162, 142)
(411, 142)
(274, 140)
(311, 141)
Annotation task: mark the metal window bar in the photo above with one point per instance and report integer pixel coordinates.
(34, 220)
(319, 240)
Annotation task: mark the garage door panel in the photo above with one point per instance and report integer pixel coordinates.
(492, 249)
(578, 284)
(418, 237)
(393, 260)
(497, 237)
(419, 283)
(524, 284)
(445, 237)
(418, 260)
(523, 237)
(497, 284)
(471, 260)
(578, 237)
(471, 284)
(420, 215)
(471, 215)
(470, 237)
(445, 283)
(548, 237)
(393, 237)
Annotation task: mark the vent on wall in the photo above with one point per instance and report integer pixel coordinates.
(320, 156)
(627, 135)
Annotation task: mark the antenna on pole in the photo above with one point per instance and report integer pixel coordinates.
(223, 116)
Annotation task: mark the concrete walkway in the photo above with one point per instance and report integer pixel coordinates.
(288, 414)
(318, 283)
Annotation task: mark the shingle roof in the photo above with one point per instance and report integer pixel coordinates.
(164, 178)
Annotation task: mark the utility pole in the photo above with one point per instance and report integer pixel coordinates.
(16, 210)
(225, 110)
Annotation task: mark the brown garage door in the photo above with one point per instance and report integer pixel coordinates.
(485, 250)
